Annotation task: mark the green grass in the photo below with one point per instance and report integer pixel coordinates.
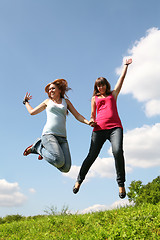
(142, 222)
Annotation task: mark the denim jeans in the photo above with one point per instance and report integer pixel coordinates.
(55, 150)
(115, 136)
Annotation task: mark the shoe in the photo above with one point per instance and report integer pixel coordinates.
(40, 157)
(76, 189)
(122, 195)
(122, 192)
(27, 151)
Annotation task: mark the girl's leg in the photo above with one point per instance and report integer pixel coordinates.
(65, 149)
(97, 141)
(116, 139)
(52, 151)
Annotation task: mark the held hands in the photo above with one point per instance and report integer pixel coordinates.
(92, 123)
(128, 61)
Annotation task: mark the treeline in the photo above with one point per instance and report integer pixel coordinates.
(149, 193)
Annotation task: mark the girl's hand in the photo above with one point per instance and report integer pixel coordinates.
(92, 123)
(28, 96)
(128, 61)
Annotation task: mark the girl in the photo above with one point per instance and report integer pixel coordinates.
(53, 145)
(107, 126)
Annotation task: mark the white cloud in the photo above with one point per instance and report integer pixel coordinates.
(73, 173)
(94, 208)
(143, 77)
(32, 190)
(141, 146)
(121, 203)
(102, 167)
(152, 108)
(99, 207)
(10, 195)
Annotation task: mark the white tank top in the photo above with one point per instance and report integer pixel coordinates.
(56, 118)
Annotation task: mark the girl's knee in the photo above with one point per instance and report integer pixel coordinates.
(117, 152)
(55, 160)
(65, 168)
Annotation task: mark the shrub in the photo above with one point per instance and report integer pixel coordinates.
(12, 218)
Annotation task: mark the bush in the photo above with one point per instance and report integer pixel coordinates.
(12, 218)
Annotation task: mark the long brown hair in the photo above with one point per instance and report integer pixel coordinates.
(101, 81)
(61, 84)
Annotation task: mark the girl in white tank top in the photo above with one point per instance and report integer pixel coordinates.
(53, 145)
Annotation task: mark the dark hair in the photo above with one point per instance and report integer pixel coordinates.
(101, 81)
(61, 84)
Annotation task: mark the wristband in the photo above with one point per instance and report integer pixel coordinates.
(25, 100)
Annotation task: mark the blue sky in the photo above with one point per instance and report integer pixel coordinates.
(79, 41)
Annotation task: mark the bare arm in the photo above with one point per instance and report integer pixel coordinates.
(76, 114)
(93, 112)
(120, 81)
(36, 110)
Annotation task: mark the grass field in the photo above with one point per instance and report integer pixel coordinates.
(142, 222)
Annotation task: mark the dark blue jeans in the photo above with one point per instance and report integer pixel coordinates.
(115, 136)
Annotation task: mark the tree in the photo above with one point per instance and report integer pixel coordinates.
(149, 193)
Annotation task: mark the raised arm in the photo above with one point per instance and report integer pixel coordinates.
(76, 114)
(36, 110)
(120, 81)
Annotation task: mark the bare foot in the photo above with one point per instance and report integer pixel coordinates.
(76, 187)
(122, 190)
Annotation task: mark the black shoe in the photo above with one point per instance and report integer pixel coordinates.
(76, 189)
(122, 195)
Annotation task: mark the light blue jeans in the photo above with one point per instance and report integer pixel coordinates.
(55, 150)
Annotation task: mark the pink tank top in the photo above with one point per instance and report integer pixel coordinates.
(107, 114)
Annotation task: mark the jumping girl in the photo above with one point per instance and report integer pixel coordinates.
(53, 145)
(107, 126)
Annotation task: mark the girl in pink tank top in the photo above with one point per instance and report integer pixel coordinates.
(107, 126)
